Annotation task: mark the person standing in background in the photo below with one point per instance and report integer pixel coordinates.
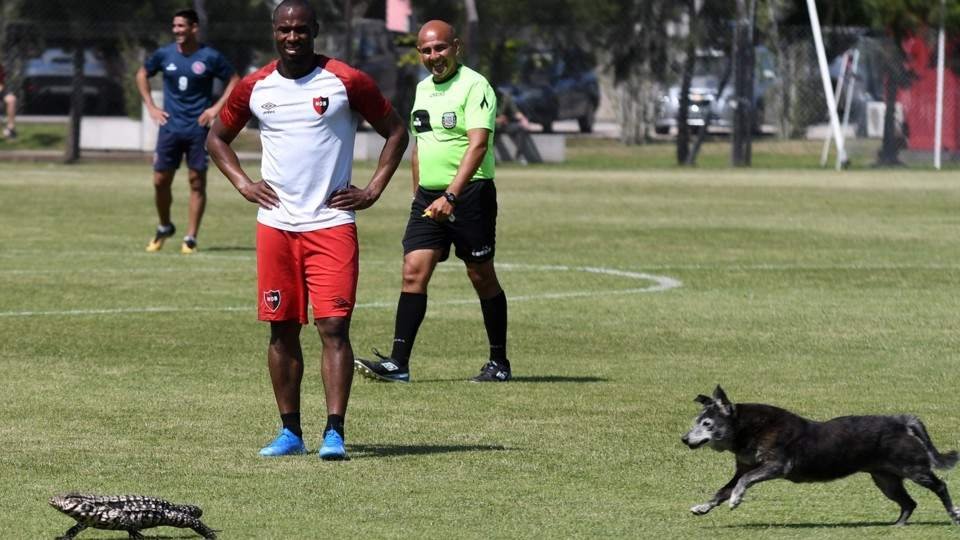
(189, 68)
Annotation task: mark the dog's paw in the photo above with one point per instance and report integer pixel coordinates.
(701, 509)
(955, 515)
(736, 499)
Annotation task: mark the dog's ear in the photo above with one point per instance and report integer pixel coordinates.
(703, 400)
(722, 401)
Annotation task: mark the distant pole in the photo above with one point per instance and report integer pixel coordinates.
(348, 19)
(825, 77)
(473, 34)
(838, 91)
(854, 70)
(938, 126)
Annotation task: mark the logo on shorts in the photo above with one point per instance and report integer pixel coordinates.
(482, 252)
(320, 104)
(198, 67)
(271, 299)
(341, 303)
(448, 120)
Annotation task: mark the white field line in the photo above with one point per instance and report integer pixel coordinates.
(659, 284)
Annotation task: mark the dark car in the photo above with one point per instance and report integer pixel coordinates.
(48, 84)
(556, 85)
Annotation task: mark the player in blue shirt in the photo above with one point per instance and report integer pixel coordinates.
(188, 68)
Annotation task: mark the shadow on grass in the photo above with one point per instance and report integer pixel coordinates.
(851, 525)
(388, 450)
(530, 379)
(230, 248)
(146, 536)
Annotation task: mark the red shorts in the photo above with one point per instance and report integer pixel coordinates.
(296, 267)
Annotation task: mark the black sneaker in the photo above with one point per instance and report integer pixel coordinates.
(382, 369)
(492, 372)
(10, 133)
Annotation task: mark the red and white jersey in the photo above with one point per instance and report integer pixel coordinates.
(307, 129)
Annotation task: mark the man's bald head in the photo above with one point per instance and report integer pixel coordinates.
(436, 30)
(291, 4)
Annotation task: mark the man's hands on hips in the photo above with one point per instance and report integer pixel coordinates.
(352, 198)
(260, 193)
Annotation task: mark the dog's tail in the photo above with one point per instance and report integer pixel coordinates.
(939, 461)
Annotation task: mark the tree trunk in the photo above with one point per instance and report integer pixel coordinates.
(743, 84)
(72, 149)
(708, 120)
(200, 6)
(888, 155)
(683, 112)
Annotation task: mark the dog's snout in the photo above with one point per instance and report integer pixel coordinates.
(685, 440)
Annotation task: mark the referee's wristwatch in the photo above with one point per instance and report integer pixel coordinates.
(450, 197)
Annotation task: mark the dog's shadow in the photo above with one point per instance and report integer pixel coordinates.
(388, 450)
(845, 525)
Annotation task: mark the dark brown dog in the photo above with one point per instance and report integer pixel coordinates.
(770, 443)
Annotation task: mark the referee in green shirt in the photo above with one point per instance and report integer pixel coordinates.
(455, 202)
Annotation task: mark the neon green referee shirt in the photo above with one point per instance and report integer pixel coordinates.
(442, 114)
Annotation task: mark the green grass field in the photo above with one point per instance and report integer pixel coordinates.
(826, 293)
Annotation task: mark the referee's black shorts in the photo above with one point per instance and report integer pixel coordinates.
(473, 231)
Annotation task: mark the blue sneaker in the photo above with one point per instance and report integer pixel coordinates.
(286, 444)
(332, 448)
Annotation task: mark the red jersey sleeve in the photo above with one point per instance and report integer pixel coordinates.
(236, 111)
(362, 91)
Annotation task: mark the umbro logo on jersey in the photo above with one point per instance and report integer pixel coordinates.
(171, 67)
(320, 104)
(269, 106)
(485, 250)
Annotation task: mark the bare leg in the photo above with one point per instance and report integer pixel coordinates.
(10, 101)
(418, 268)
(483, 276)
(337, 364)
(198, 200)
(285, 362)
(163, 194)
(892, 486)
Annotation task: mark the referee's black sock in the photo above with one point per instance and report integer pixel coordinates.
(495, 320)
(334, 422)
(411, 308)
(291, 421)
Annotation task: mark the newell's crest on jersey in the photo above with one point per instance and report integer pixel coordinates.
(272, 300)
(320, 104)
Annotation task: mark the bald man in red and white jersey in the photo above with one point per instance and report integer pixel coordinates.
(309, 107)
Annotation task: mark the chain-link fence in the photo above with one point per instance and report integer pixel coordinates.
(867, 70)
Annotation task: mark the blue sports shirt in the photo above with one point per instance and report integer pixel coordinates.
(187, 83)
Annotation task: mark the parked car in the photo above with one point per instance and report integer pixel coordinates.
(556, 85)
(704, 99)
(48, 84)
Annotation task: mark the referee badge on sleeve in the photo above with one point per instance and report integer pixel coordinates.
(448, 120)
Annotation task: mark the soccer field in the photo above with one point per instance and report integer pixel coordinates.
(630, 293)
